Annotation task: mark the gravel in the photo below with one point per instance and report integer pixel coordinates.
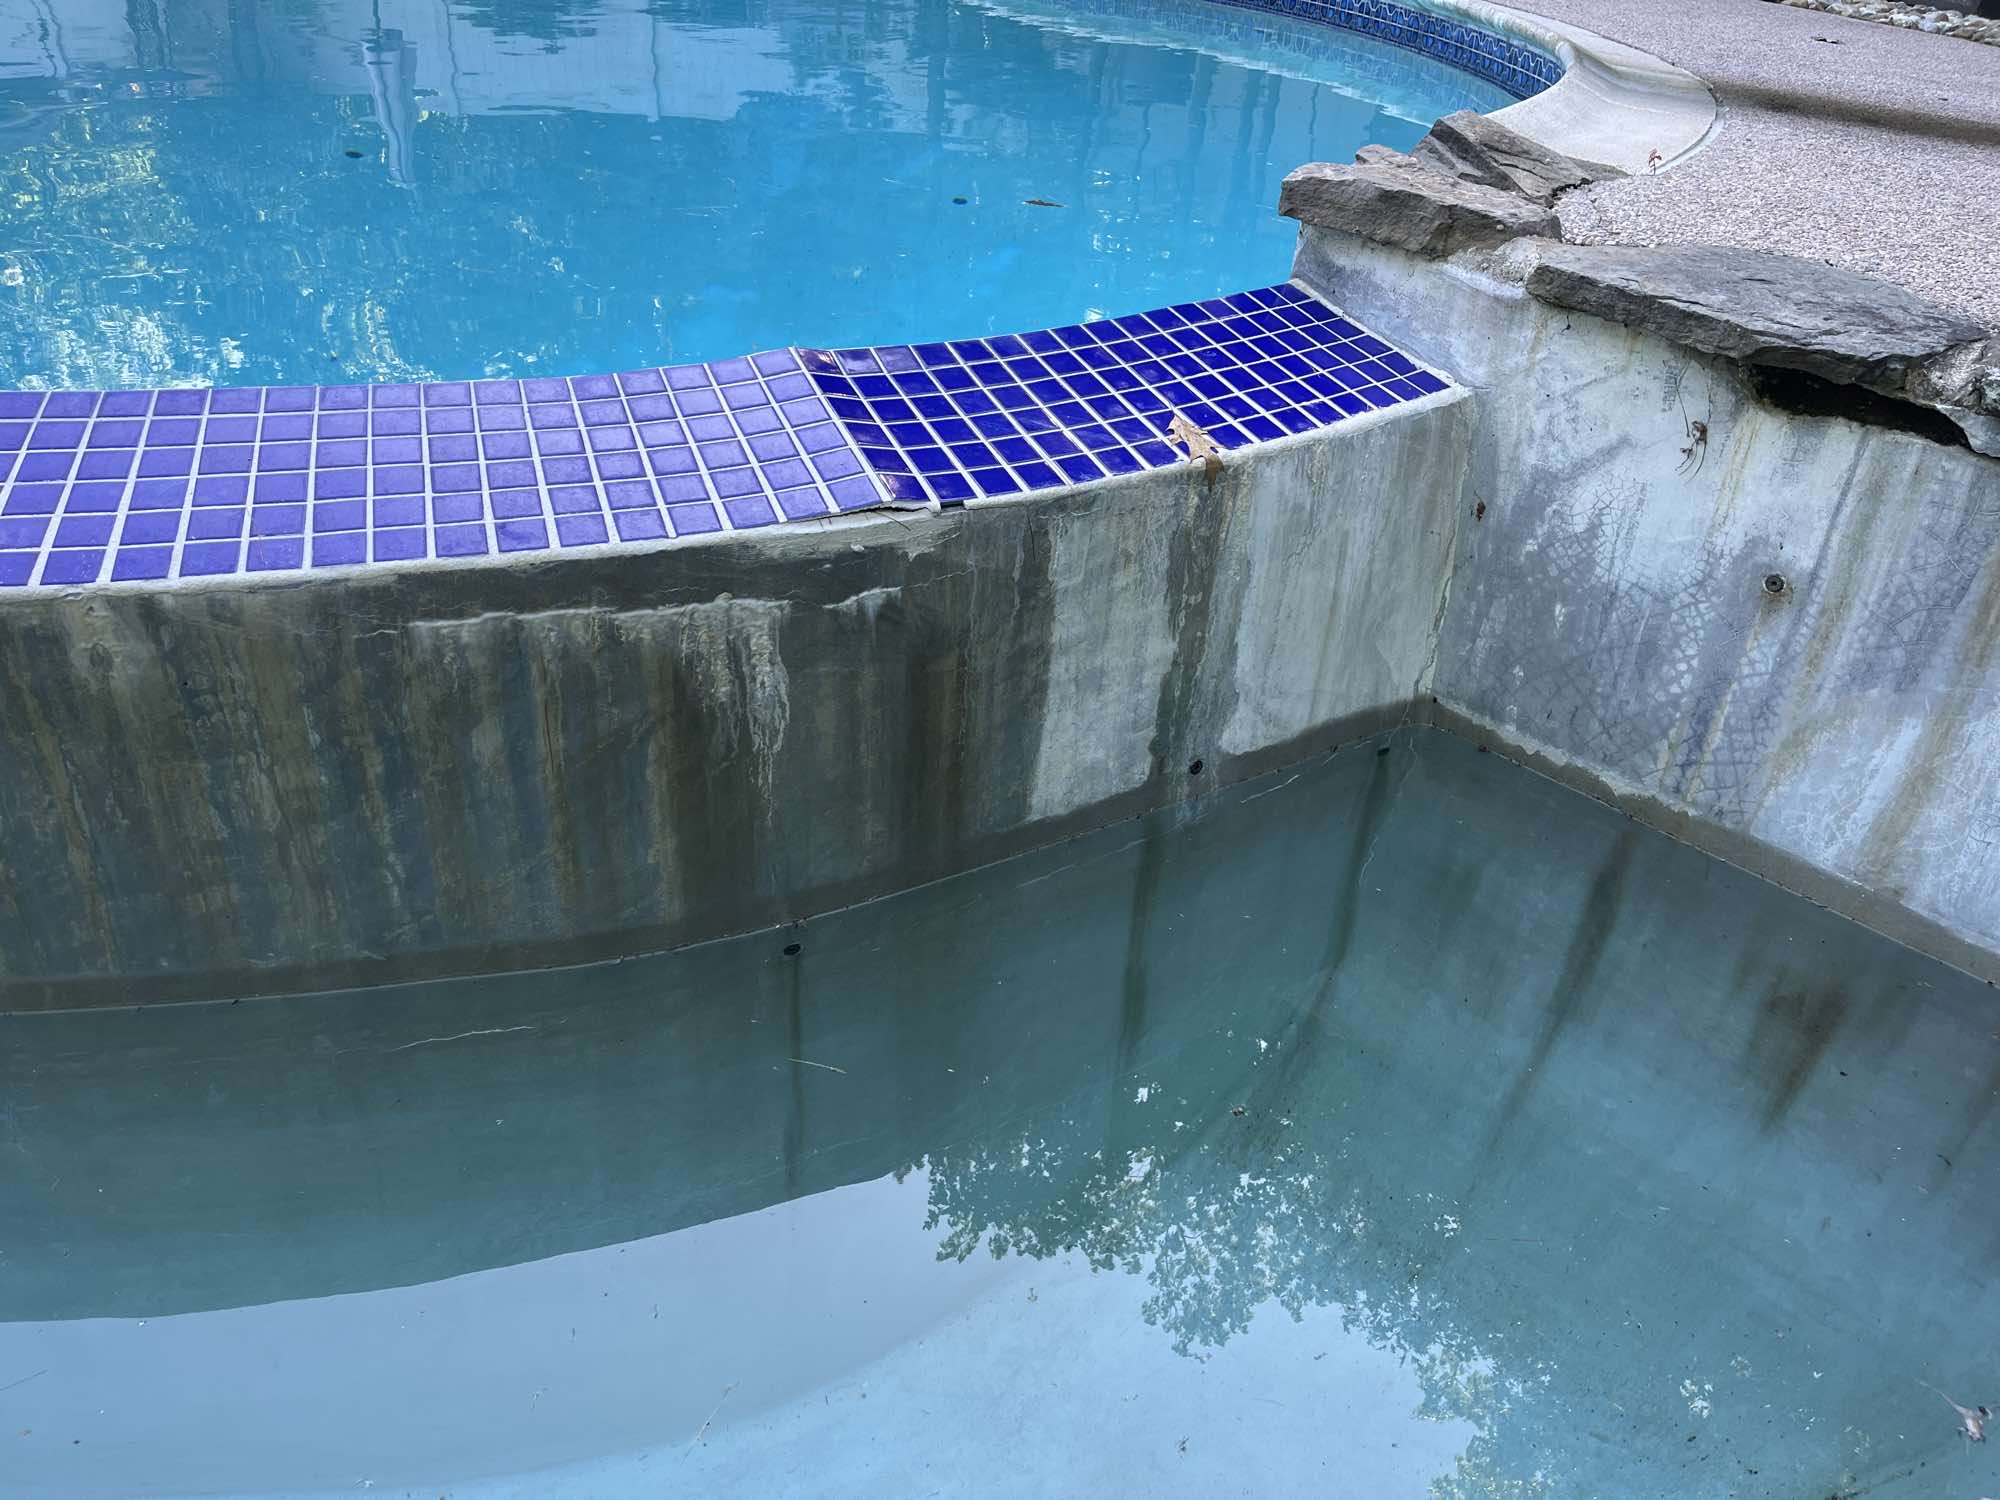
(1871, 147)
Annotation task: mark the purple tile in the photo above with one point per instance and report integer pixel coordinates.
(222, 489)
(95, 496)
(612, 439)
(339, 483)
(460, 541)
(510, 504)
(581, 531)
(407, 479)
(723, 455)
(686, 377)
(773, 445)
(505, 445)
(739, 396)
(125, 403)
(17, 405)
(290, 429)
(405, 510)
(269, 556)
(574, 499)
(113, 463)
(277, 520)
(340, 455)
(672, 460)
(566, 470)
(521, 536)
(159, 494)
(729, 483)
(229, 430)
(620, 466)
(13, 436)
(639, 525)
(450, 393)
(233, 459)
(116, 434)
(502, 419)
(23, 531)
(629, 494)
(448, 479)
(786, 473)
(202, 559)
(280, 487)
(500, 392)
(339, 515)
(133, 564)
(801, 504)
(17, 567)
(455, 507)
(399, 543)
(289, 398)
(180, 403)
(406, 423)
(552, 415)
(603, 413)
(58, 434)
(343, 424)
(545, 388)
(342, 397)
(234, 400)
(210, 525)
(680, 487)
(71, 404)
(690, 520)
(641, 382)
(648, 408)
(283, 456)
(775, 362)
(380, 396)
(508, 475)
(396, 450)
(453, 450)
(697, 402)
(340, 548)
(73, 567)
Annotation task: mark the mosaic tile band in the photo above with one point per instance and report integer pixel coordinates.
(985, 418)
(142, 486)
(1518, 66)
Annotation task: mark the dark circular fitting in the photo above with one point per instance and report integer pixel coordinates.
(1774, 583)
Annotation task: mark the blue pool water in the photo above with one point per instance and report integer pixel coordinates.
(322, 191)
(1401, 1127)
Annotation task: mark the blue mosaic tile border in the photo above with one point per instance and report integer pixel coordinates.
(1518, 66)
(130, 486)
(143, 486)
(985, 418)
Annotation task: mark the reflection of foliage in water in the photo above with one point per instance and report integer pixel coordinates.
(1229, 1223)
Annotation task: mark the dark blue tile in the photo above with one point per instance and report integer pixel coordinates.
(205, 559)
(133, 564)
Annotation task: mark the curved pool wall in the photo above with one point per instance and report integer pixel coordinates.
(611, 728)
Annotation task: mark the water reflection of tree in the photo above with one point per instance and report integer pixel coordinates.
(1230, 1219)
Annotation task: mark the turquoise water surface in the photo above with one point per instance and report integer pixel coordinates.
(320, 191)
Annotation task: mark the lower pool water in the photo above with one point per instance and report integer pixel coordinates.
(326, 191)
(1400, 1125)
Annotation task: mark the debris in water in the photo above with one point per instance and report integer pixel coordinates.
(1040, 203)
(1972, 1419)
(352, 154)
(1237, 1110)
(1199, 445)
(958, 200)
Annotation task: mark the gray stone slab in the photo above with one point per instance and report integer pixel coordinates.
(1476, 148)
(1774, 311)
(1409, 207)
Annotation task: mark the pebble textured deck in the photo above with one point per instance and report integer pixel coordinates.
(983, 418)
(137, 487)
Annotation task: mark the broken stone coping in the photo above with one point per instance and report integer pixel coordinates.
(1615, 106)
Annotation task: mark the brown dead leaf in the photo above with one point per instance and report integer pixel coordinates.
(1199, 445)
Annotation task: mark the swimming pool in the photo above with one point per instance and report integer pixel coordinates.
(298, 192)
(1400, 1125)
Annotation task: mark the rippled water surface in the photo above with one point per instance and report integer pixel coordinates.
(278, 191)
(1399, 1127)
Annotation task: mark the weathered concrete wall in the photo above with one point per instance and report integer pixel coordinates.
(404, 773)
(1610, 613)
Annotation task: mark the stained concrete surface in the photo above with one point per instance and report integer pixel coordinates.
(1396, 1124)
(395, 775)
(1613, 610)
(1876, 149)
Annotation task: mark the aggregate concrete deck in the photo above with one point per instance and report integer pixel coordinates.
(1876, 149)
